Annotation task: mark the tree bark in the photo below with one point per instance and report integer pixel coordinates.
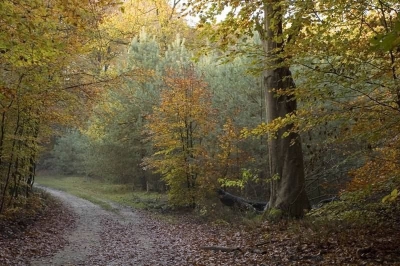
(285, 153)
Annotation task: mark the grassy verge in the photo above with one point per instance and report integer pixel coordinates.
(103, 193)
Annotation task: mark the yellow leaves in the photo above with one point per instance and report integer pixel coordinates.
(260, 130)
(228, 140)
(271, 129)
(231, 157)
(33, 33)
(39, 43)
(157, 17)
(391, 197)
(237, 183)
(95, 131)
(178, 130)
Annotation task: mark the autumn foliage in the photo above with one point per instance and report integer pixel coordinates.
(204, 125)
(43, 85)
(292, 102)
(179, 129)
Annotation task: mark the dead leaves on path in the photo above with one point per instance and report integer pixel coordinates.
(20, 242)
(145, 239)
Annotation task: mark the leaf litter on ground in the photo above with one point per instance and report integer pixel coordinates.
(147, 240)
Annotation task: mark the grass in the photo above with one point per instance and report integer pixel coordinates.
(104, 194)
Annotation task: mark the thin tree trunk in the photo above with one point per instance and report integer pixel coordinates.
(18, 172)
(4, 192)
(2, 132)
(7, 181)
(32, 159)
(285, 153)
(143, 176)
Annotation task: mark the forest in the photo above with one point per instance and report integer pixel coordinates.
(293, 105)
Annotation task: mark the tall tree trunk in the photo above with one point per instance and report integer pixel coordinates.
(285, 153)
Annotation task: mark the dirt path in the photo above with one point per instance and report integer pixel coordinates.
(124, 237)
(130, 237)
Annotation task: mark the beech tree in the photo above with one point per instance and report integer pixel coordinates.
(117, 142)
(349, 57)
(178, 130)
(278, 25)
(41, 83)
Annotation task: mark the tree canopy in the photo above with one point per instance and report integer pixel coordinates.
(281, 101)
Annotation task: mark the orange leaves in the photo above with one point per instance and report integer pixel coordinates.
(185, 105)
(188, 99)
(178, 129)
(382, 167)
(232, 157)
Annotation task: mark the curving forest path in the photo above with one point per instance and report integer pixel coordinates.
(74, 231)
(120, 237)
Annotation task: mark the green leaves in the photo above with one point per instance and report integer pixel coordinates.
(387, 41)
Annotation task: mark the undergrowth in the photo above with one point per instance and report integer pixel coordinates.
(104, 194)
(23, 212)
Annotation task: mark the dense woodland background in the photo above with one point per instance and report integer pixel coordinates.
(139, 93)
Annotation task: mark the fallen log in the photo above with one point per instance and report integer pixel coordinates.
(232, 201)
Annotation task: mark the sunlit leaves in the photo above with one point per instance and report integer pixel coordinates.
(270, 129)
(42, 49)
(159, 18)
(346, 65)
(233, 157)
(389, 40)
(347, 82)
(178, 129)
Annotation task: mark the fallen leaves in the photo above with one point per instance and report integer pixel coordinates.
(270, 244)
(131, 237)
(41, 236)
